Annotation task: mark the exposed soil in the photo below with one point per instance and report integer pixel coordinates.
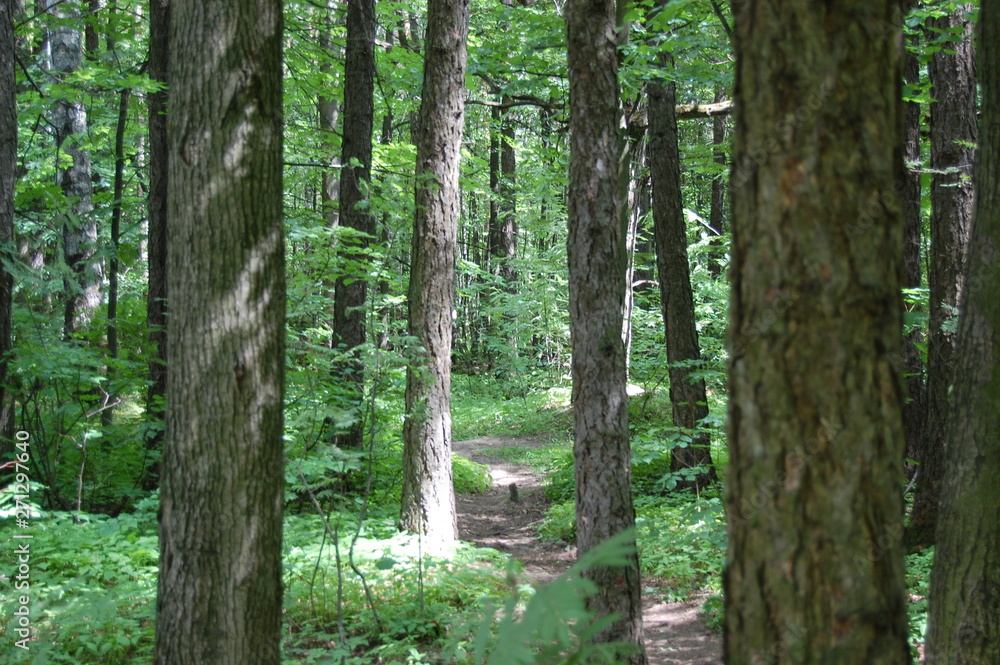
(674, 633)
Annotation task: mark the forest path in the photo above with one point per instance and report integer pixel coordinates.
(673, 632)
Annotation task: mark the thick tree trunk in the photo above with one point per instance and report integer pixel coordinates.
(219, 598)
(351, 290)
(813, 501)
(913, 364)
(596, 257)
(8, 167)
(963, 625)
(428, 504)
(69, 120)
(953, 135)
(687, 398)
(156, 295)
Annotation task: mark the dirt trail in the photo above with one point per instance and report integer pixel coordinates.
(673, 632)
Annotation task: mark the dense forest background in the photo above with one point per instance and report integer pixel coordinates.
(354, 399)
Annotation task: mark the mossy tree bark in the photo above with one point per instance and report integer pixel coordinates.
(219, 598)
(954, 134)
(813, 501)
(8, 166)
(963, 625)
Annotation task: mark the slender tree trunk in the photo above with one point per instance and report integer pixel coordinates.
(428, 504)
(351, 290)
(596, 256)
(913, 364)
(8, 167)
(813, 501)
(717, 211)
(329, 112)
(953, 135)
(69, 120)
(963, 625)
(688, 400)
(506, 247)
(116, 221)
(219, 598)
(156, 294)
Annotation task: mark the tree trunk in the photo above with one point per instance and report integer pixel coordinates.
(688, 400)
(963, 625)
(219, 598)
(717, 212)
(69, 120)
(8, 167)
(813, 501)
(913, 364)
(506, 247)
(596, 257)
(329, 111)
(428, 504)
(116, 221)
(351, 290)
(953, 135)
(156, 295)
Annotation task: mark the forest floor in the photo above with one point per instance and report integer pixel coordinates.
(674, 633)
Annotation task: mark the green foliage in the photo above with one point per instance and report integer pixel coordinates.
(553, 628)
(93, 587)
(470, 477)
(559, 523)
(918, 583)
(416, 600)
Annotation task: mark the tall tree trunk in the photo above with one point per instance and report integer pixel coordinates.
(428, 504)
(717, 211)
(351, 290)
(69, 120)
(505, 249)
(963, 625)
(116, 222)
(913, 364)
(156, 294)
(687, 398)
(8, 167)
(813, 501)
(329, 111)
(596, 257)
(219, 597)
(953, 135)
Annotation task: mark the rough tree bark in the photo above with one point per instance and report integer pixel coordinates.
(69, 121)
(813, 501)
(913, 365)
(428, 504)
(596, 257)
(8, 167)
(717, 212)
(219, 598)
(156, 294)
(963, 625)
(351, 290)
(953, 136)
(688, 401)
